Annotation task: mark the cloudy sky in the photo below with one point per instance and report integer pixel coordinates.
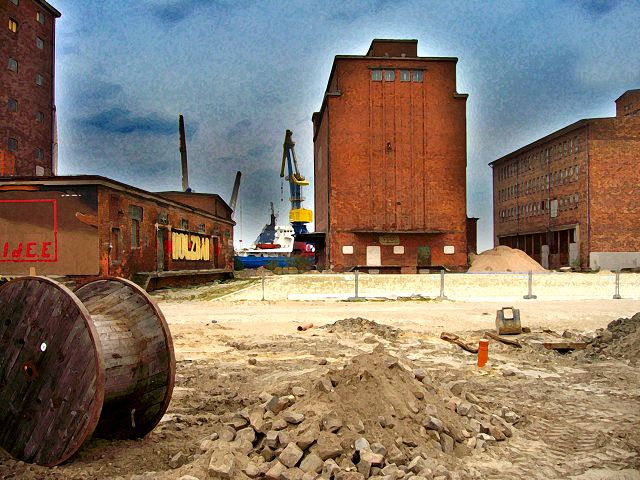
(244, 71)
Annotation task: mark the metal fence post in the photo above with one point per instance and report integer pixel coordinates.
(262, 275)
(530, 295)
(356, 283)
(617, 296)
(442, 296)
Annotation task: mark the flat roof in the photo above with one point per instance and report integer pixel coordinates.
(635, 90)
(551, 136)
(110, 183)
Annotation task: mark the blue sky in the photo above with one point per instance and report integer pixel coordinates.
(242, 72)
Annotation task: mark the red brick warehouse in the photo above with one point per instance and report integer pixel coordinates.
(390, 162)
(27, 113)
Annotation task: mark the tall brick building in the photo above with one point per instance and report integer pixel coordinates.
(390, 162)
(571, 198)
(27, 109)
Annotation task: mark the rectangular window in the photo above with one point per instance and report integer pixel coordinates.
(40, 17)
(405, 76)
(39, 153)
(13, 64)
(39, 171)
(398, 250)
(39, 43)
(39, 117)
(15, 2)
(418, 75)
(347, 249)
(184, 224)
(13, 25)
(389, 75)
(12, 145)
(13, 105)
(135, 213)
(39, 79)
(376, 75)
(200, 228)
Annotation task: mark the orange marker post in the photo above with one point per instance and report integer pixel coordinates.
(483, 353)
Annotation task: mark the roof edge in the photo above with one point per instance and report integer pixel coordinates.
(56, 13)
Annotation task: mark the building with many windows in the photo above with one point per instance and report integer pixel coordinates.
(571, 198)
(27, 106)
(390, 163)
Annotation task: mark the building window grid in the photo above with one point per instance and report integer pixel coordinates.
(13, 25)
(39, 79)
(135, 213)
(39, 153)
(13, 64)
(389, 75)
(15, 2)
(405, 75)
(40, 18)
(418, 76)
(12, 145)
(39, 117)
(39, 43)
(376, 75)
(12, 104)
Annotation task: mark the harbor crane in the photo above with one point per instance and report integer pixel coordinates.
(298, 216)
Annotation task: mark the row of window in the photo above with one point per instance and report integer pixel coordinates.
(13, 27)
(397, 249)
(390, 75)
(540, 158)
(541, 183)
(12, 105)
(40, 17)
(12, 146)
(568, 202)
(13, 66)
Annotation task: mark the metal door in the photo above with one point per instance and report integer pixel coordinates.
(424, 256)
(373, 256)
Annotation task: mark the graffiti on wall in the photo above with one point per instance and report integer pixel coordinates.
(22, 242)
(190, 246)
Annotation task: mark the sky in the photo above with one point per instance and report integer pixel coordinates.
(242, 72)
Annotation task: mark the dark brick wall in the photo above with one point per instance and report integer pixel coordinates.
(21, 85)
(394, 154)
(113, 212)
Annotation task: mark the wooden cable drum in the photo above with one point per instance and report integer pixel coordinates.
(97, 362)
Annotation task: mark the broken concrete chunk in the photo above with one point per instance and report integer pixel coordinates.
(327, 446)
(271, 439)
(299, 391)
(433, 423)
(227, 433)
(377, 447)
(221, 464)
(361, 444)
(307, 438)
(178, 460)
(331, 422)
(293, 418)
(291, 455)
(312, 463)
(324, 385)
(419, 374)
(276, 471)
(448, 443)
(246, 434)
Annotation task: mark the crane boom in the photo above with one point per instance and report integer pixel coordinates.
(298, 216)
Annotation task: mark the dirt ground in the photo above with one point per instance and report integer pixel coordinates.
(578, 414)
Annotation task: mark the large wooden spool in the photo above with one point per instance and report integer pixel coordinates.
(95, 361)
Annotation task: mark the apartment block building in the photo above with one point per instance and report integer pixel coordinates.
(390, 162)
(27, 77)
(571, 197)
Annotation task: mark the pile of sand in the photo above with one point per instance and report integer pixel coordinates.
(504, 259)
(621, 339)
(361, 326)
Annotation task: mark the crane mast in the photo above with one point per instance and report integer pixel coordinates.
(298, 216)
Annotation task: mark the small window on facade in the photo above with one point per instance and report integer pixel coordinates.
(40, 17)
(418, 75)
(12, 145)
(184, 224)
(347, 249)
(13, 105)
(13, 64)
(200, 228)
(39, 79)
(135, 213)
(376, 75)
(405, 76)
(39, 171)
(39, 117)
(15, 2)
(389, 75)
(13, 25)
(39, 153)
(398, 249)
(39, 43)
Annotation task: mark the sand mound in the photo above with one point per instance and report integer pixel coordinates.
(621, 339)
(504, 259)
(361, 326)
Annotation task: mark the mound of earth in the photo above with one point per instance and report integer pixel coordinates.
(620, 339)
(361, 326)
(377, 416)
(504, 259)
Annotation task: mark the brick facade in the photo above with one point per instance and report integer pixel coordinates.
(570, 195)
(27, 105)
(390, 162)
(92, 226)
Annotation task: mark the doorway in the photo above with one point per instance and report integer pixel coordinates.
(373, 256)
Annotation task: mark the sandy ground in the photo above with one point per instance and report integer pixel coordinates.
(580, 416)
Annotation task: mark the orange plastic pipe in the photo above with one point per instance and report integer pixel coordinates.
(305, 326)
(483, 353)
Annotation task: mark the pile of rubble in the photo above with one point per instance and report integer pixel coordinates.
(377, 417)
(621, 339)
(361, 326)
(504, 259)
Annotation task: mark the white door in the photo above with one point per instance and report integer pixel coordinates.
(373, 256)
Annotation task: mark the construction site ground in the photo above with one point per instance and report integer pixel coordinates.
(578, 413)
